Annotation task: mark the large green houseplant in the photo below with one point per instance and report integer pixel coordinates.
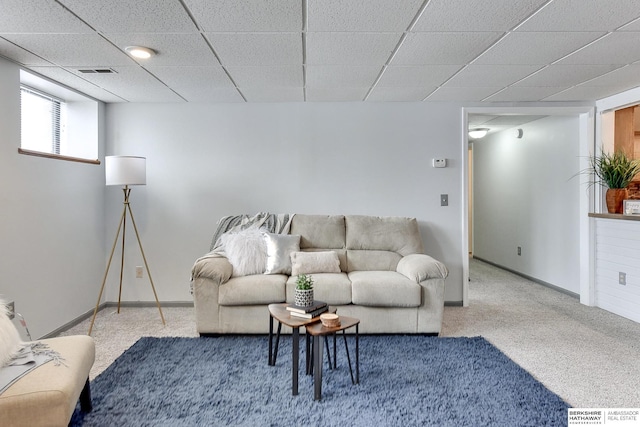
(615, 170)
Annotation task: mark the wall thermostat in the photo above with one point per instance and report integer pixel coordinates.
(439, 163)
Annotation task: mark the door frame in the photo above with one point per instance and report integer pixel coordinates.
(586, 115)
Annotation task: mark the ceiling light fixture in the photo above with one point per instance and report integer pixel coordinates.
(140, 52)
(478, 133)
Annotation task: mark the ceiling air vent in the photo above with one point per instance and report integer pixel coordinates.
(97, 71)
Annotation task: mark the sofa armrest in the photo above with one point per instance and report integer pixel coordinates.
(216, 268)
(420, 267)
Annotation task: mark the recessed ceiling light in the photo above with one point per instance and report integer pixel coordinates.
(478, 133)
(140, 52)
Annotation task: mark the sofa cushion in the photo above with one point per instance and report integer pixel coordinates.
(384, 289)
(279, 249)
(358, 260)
(314, 262)
(251, 290)
(246, 251)
(394, 234)
(319, 231)
(332, 288)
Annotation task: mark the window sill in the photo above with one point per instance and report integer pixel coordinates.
(57, 156)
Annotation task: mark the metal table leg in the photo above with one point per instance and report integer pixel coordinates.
(317, 361)
(357, 355)
(296, 356)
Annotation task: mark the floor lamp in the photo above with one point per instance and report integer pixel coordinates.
(125, 171)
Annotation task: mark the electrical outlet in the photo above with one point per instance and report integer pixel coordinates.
(139, 272)
(519, 251)
(444, 200)
(622, 278)
(12, 309)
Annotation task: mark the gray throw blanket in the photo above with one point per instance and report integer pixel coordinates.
(32, 355)
(273, 223)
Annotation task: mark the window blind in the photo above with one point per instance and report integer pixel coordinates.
(40, 120)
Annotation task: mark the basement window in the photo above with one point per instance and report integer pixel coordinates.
(56, 122)
(43, 121)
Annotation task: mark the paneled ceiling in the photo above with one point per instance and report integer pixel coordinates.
(330, 50)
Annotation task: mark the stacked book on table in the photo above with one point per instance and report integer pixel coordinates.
(314, 310)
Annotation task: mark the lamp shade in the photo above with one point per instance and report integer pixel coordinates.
(125, 170)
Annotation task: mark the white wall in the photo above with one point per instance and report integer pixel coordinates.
(617, 250)
(51, 225)
(207, 161)
(525, 195)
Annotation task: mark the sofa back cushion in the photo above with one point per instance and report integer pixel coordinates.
(358, 260)
(378, 243)
(395, 234)
(319, 231)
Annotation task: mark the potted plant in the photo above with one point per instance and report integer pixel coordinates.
(304, 290)
(615, 171)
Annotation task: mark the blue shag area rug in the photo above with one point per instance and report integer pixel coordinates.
(404, 381)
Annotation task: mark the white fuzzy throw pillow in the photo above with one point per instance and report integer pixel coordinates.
(10, 342)
(246, 251)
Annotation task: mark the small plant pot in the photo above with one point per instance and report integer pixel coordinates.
(304, 298)
(615, 199)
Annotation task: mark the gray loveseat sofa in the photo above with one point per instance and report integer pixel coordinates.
(384, 279)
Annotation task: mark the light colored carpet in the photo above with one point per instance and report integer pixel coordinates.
(588, 356)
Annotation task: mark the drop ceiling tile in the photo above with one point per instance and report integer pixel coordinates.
(462, 94)
(565, 75)
(535, 48)
(443, 48)
(139, 16)
(361, 15)
(257, 48)
(584, 93)
(71, 49)
(267, 76)
(70, 79)
(266, 94)
(210, 94)
(615, 48)
(134, 84)
(36, 16)
(336, 94)
(325, 76)
(628, 75)
(583, 15)
(524, 94)
(171, 49)
(19, 55)
(401, 94)
(417, 76)
(491, 75)
(476, 120)
(246, 15)
(632, 26)
(475, 15)
(188, 77)
(350, 48)
(513, 119)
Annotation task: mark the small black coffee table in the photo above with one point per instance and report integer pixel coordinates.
(318, 330)
(280, 313)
